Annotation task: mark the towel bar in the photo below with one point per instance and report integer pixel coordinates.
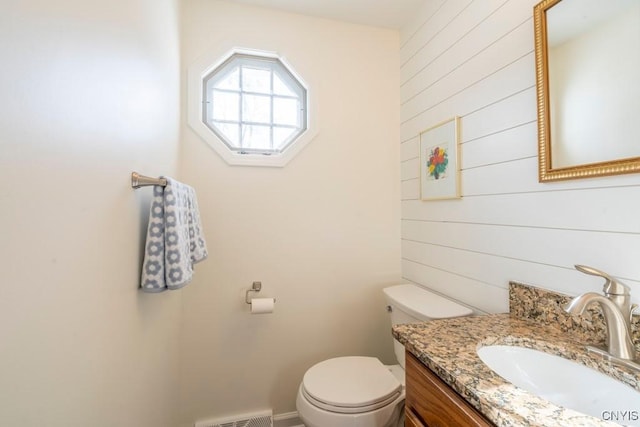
(138, 180)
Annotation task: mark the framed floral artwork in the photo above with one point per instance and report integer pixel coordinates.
(439, 161)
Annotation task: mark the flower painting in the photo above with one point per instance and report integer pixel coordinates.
(439, 166)
(437, 162)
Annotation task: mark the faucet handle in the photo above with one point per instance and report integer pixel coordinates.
(611, 286)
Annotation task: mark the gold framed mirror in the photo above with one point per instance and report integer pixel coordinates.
(587, 62)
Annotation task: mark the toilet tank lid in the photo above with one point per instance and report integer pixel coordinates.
(422, 304)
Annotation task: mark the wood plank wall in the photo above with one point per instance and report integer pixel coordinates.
(475, 59)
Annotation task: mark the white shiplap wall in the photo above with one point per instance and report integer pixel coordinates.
(475, 59)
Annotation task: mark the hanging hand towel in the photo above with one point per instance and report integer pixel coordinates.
(175, 240)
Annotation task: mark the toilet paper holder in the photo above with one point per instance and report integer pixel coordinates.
(255, 287)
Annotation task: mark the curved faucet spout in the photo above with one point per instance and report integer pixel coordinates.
(579, 304)
(619, 343)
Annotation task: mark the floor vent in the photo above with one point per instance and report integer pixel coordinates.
(259, 419)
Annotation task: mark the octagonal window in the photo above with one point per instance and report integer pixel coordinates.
(254, 104)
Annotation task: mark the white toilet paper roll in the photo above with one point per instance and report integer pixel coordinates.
(262, 305)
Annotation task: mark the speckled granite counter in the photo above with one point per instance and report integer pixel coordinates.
(448, 347)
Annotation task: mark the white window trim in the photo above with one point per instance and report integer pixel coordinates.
(195, 103)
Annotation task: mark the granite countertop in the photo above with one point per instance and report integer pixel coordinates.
(448, 347)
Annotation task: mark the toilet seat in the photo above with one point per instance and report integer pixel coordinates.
(350, 385)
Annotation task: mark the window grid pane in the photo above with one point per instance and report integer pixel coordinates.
(225, 105)
(229, 80)
(257, 108)
(253, 106)
(256, 79)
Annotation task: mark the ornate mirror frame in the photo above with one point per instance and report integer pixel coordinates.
(546, 172)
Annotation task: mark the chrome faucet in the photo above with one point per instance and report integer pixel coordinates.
(617, 309)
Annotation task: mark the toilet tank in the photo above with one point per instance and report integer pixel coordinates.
(412, 304)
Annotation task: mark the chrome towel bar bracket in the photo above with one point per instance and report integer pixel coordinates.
(138, 180)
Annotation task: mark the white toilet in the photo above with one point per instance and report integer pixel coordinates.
(361, 391)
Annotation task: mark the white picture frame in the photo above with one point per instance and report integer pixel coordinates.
(440, 161)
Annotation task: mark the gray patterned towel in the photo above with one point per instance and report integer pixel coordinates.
(175, 240)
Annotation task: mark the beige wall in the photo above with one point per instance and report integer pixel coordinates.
(88, 93)
(476, 60)
(322, 233)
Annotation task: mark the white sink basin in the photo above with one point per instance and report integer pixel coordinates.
(565, 383)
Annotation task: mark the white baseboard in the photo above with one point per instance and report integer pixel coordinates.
(289, 419)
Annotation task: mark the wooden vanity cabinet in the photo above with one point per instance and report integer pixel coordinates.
(430, 402)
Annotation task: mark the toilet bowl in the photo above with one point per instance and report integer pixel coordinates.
(359, 391)
(351, 391)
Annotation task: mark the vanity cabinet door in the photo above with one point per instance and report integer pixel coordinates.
(430, 402)
(411, 420)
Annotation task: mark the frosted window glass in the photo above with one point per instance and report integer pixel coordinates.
(256, 136)
(230, 130)
(229, 81)
(226, 106)
(256, 80)
(256, 109)
(285, 111)
(280, 88)
(281, 136)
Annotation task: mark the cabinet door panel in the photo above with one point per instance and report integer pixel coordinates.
(434, 403)
(410, 420)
